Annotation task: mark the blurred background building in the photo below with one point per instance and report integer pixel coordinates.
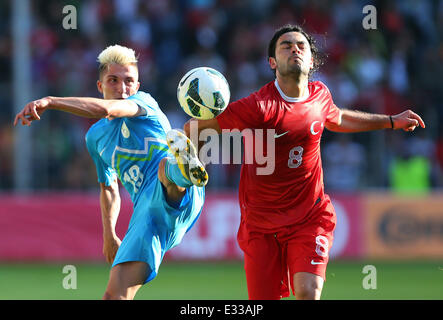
(399, 65)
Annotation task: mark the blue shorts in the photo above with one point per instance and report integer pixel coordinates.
(157, 226)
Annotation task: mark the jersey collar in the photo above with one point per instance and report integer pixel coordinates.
(290, 99)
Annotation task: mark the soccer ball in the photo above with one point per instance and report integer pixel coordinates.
(203, 93)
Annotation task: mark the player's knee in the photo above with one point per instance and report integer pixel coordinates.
(307, 286)
(308, 293)
(109, 295)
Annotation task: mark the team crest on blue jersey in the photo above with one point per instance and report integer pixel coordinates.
(125, 130)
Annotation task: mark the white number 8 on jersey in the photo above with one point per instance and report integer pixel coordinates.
(322, 247)
(295, 157)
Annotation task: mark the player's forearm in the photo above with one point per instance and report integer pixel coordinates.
(94, 107)
(357, 121)
(81, 106)
(110, 209)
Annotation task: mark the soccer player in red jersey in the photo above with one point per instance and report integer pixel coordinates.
(287, 220)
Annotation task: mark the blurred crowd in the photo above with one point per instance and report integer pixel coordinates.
(396, 66)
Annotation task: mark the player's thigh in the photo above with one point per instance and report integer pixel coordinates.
(126, 278)
(263, 266)
(308, 251)
(307, 264)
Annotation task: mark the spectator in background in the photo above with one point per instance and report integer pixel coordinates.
(413, 168)
(410, 174)
(231, 35)
(439, 155)
(344, 164)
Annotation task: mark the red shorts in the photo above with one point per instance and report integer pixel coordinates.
(272, 259)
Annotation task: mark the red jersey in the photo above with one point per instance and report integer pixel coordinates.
(287, 195)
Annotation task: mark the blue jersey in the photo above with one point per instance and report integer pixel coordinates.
(130, 148)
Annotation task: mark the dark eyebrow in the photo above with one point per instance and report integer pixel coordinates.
(285, 42)
(113, 76)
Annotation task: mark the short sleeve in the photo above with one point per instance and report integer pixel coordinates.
(146, 102)
(241, 114)
(105, 173)
(333, 115)
(332, 111)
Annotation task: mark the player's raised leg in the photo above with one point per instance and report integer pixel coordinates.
(174, 192)
(125, 279)
(187, 161)
(184, 169)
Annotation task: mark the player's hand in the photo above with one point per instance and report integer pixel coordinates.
(110, 247)
(32, 111)
(407, 121)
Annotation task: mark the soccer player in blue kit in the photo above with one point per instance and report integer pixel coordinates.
(133, 142)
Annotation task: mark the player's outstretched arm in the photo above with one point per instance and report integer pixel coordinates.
(357, 121)
(80, 106)
(110, 208)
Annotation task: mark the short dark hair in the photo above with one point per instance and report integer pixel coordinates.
(316, 55)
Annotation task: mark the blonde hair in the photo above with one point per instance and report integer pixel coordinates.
(116, 54)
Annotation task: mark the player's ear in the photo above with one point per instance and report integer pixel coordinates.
(138, 85)
(272, 63)
(99, 86)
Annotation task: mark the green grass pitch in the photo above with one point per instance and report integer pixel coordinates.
(422, 280)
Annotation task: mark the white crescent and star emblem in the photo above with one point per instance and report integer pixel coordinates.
(313, 129)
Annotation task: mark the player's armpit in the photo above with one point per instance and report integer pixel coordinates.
(332, 126)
